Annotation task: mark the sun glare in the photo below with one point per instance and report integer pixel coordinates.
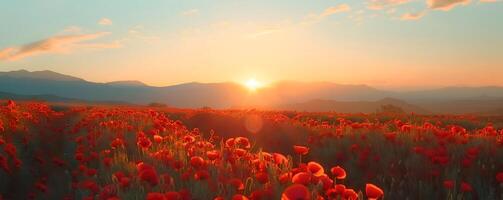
(253, 84)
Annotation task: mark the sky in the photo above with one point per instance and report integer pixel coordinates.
(392, 44)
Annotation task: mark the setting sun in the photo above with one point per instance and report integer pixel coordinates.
(253, 84)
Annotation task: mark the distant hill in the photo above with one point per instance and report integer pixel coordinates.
(131, 83)
(353, 106)
(45, 75)
(316, 96)
(289, 92)
(192, 95)
(454, 93)
(472, 106)
(5, 95)
(52, 98)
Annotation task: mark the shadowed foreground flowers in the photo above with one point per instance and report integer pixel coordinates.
(109, 153)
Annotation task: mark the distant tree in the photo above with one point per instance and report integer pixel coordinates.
(206, 108)
(157, 104)
(389, 108)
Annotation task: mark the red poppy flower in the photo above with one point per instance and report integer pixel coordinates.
(448, 184)
(338, 172)
(79, 156)
(303, 178)
(236, 183)
(326, 182)
(42, 187)
(331, 193)
(155, 196)
(90, 185)
(189, 139)
(213, 154)
(143, 166)
(107, 161)
(167, 179)
(340, 189)
(91, 172)
(4, 164)
(373, 192)
(201, 175)
(158, 138)
(466, 162)
(300, 150)
(117, 143)
(58, 161)
(284, 178)
(173, 196)
(10, 149)
(262, 177)
(242, 142)
(124, 182)
(301, 168)
(144, 142)
(11, 104)
(239, 197)
(261, 194)
(17, 163)
(315, 168)
(185, 194)
(296, 192)
(240, 152)
(108, 192)
(229, 143)
(350, 194)
(148, 174)
(499, 177)
(279, 158)
(466, 187)
(197, 162)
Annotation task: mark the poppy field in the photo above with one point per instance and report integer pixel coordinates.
(155, 153)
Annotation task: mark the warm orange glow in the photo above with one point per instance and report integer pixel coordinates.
(253, 84)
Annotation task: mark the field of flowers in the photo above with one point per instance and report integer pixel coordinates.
(118, 152)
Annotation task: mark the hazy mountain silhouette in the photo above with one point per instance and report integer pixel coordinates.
(319, 96)
(450, 93)
(46, 75)
(52, 98)
(296, 92)
(219, 95)
(130, 83)
(319, 105)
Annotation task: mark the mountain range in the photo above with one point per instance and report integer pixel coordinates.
(291, 95)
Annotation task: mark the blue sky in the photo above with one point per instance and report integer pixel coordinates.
(383, 43)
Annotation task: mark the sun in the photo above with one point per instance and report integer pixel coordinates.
(253, 84)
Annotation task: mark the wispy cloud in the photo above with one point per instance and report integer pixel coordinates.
(57, 44)
(105, 22)
(259, 31)
(139, 32)
(72, 29)
(5, 53)
(489, 1)
(335, 9)
(262, 32)
(413, 16)
(191, 12)
(382, 4)
(445, 5)
(315, 18)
